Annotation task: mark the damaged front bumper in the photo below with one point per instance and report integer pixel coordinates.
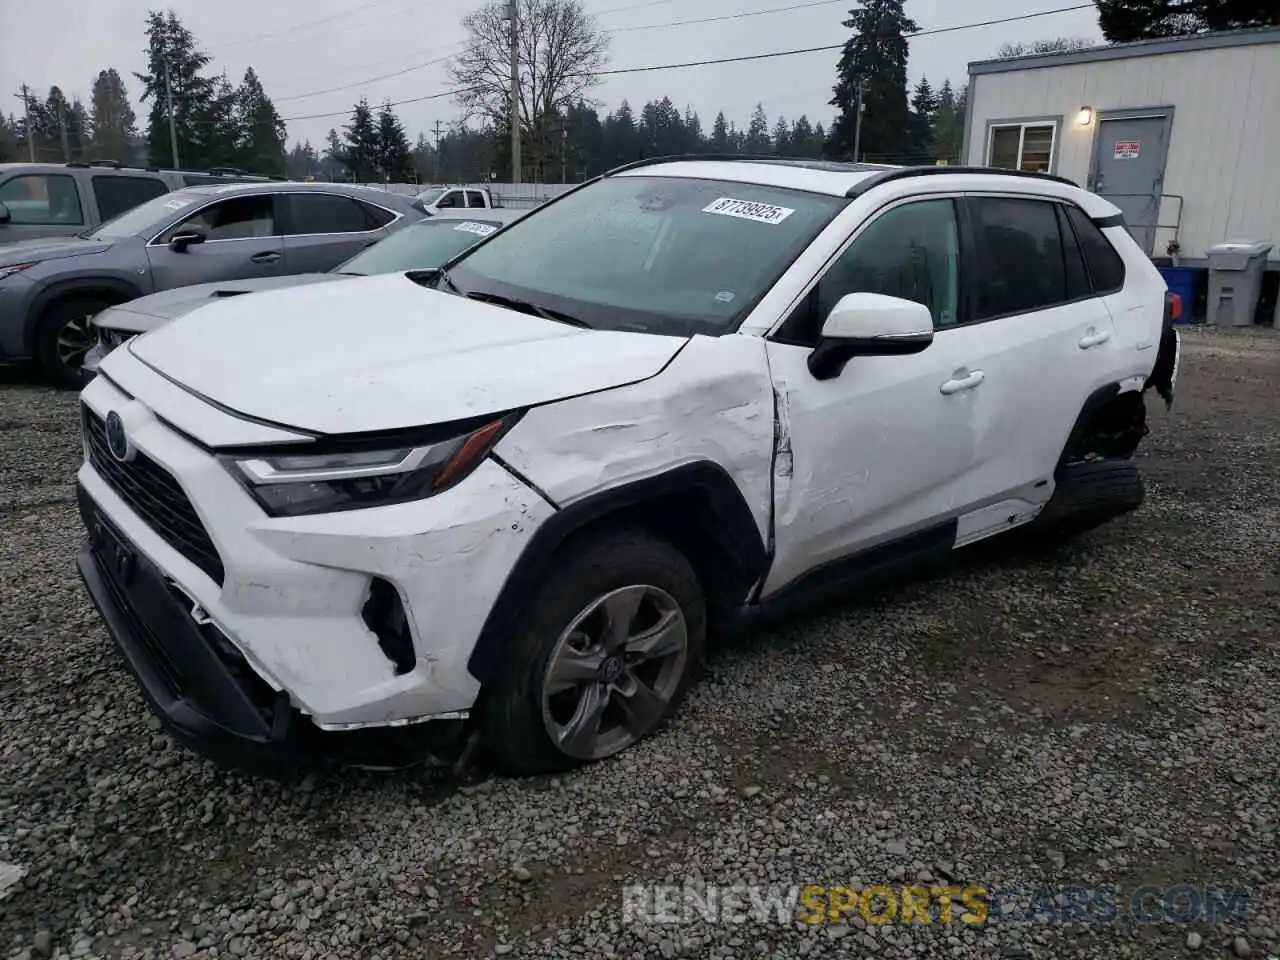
(201, 689)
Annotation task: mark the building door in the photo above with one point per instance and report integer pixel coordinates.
(1128, 169)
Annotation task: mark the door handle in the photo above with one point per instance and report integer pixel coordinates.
(1093, 339)
(974, 379)
(269, 256)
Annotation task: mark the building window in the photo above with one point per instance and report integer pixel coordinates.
(1022, 146)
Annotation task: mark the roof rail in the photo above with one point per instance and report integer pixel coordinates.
(115, 164)
(834, 166)
(903, 173)
(78, 164)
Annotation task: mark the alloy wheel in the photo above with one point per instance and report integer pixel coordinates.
(614, 671)
(74, 341)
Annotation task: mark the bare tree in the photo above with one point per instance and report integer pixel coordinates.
(1056, 45)
(561, 54)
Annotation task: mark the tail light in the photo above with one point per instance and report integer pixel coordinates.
(1172, 308)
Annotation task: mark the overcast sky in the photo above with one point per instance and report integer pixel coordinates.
(66, 42)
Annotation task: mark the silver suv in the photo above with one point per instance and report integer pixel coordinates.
(39, 200)
(51, 289)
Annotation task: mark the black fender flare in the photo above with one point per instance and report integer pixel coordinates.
(77, 286)
(729, 523)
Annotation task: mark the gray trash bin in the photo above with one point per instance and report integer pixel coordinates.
(1235, 281)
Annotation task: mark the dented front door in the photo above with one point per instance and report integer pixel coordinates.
(877, 452)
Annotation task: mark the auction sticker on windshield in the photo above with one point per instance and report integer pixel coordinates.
(468, 226)
(748, 210)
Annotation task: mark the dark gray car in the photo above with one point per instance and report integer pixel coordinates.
(421, 246)
(51, 289)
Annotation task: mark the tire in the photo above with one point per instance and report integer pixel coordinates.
(525, 725)
(1089, 494)
(59, 351)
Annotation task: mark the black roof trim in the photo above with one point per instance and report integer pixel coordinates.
(904, 173)
(832, 166)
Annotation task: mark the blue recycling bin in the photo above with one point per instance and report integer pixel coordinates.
(1183, 282)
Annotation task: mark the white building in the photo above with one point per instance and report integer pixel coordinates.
(1182, 134)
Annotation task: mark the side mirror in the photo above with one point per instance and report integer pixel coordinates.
(869, 325)
(179, 242)
(5, 215)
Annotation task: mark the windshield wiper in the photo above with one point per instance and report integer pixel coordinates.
(525, 306)
(431, 276)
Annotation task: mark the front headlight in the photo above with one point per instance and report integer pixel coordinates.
(294, 485)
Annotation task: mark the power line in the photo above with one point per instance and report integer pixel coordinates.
(836, 46)
(723, 60)
(358, 83)
(728, 16)
(341, 14)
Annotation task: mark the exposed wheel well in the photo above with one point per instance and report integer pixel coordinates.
(1111, 426)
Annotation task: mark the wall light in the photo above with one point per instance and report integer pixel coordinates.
(1085, 117)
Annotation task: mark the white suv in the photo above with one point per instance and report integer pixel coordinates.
(505, 503)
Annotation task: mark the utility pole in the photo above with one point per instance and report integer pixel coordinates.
(173, 127)
(515, 91)
(438, 164)
(564, 155)
(26, 112)
(857, 128)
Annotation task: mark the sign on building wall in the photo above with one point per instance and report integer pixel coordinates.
(1128, 149)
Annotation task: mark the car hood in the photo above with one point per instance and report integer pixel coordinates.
(147, 313)
(53, 248)
(383, 353)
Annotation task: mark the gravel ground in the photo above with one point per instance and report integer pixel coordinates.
(1104, 712)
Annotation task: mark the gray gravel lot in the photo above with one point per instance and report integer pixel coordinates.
(1105, 712)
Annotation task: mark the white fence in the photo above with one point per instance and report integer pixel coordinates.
(516, 195)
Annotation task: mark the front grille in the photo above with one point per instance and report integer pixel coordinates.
(155, 496)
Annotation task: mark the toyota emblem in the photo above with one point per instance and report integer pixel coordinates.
(117, 440)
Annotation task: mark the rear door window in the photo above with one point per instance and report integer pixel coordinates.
(46, 199)
(117, 194)
(1020, 263)
(326, 213)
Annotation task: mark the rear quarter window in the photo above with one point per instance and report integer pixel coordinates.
(1106, 268)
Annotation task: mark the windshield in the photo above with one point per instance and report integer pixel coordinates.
(654, 254)
(146, 218)
(421, 246)
(430, 196)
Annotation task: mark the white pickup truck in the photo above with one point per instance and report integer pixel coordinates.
(452, 198)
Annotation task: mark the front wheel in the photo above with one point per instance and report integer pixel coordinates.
(602, 658)
(63, 338)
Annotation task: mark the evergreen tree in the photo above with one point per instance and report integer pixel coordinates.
(261, 131)
(782, 138)
(757, 139)
(394, 158)
(113, 120)
(333, 163)
(79, 132)
(360, 150)
(53, 125)
(170, 43)
(622, 136)
(875, 56)
(720, 134)
(804, 140)
(219, 131)
(948, 133)
(693, 131)
(9, 150)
